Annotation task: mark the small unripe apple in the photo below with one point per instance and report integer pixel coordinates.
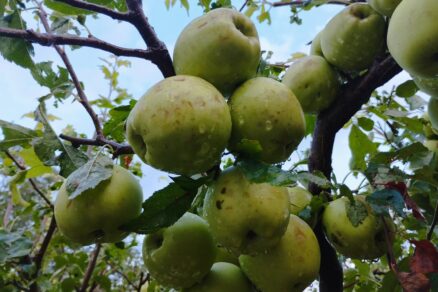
(223, 277)
(97, 214)
(364, 241)
(314, 82)
(181, 125)
(246, 217)
(427, 85)
(384, 7)
(353, 38)
(290, 266)
(299, 198)
(266, 112)
(181, 255)
(413, 37)
(221, 47)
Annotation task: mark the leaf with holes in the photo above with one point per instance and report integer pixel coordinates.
(383, 200)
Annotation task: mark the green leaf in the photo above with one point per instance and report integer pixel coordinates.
(13, 245)
(59, 84)
(2, 6)
(15, 135)
(317, 178)
(360, 146)
(310, 123)
(47, 146)
(17, 180)
(406, 89)
(36, 167)
(115, 126)
(185, 4)
(346, 192)
(365, 123)
(89, 176)
(162, 209)
(70, 10)
(383, 200)
(356, 212)
(16, 50)
(259, 172)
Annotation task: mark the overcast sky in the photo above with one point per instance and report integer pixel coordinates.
(19, 91)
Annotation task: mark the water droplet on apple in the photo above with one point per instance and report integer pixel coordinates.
(268, 125)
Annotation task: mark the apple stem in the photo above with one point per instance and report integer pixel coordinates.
(390, 253)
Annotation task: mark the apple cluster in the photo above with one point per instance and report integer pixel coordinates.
(183, 124)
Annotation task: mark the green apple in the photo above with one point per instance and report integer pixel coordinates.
(221, 47)
(432, 110)
(314, 82)
(427, 85)
(245, 217)
(97, 214)
(223, 277)
(224, 255)
(384, 7)
(181, 125)
(267, 113)
(299, 198)
(315, 47)
(354, 37)
(290, 266)
(366, 240)
(181, 255)
(413, 37)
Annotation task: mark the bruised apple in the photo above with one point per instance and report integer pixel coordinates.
(181, 125)
(245, 217)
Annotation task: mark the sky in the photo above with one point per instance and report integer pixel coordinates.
(19, 92)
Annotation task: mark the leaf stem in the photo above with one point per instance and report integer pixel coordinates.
(434, 222)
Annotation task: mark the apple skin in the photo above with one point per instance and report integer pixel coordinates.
(266, 111)
(181, 125)
(314, 82)
(223, 277)
(181, 255)
(290, 266)
(384, 7)
(427, 85)
(315, 47)
(96, 215)
(223, 255)
(366, 241)
(244, 217)
(299, 198)
(353, 38)
(221, 47)
(414, 43)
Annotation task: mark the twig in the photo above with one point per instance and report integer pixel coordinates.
(31, 180)
(243, 6)
(38, 259)
(118, 149)
(49, 40)
(142, 281)
(434, 222)
(390, 252)
(90, 268)
(83, 98)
